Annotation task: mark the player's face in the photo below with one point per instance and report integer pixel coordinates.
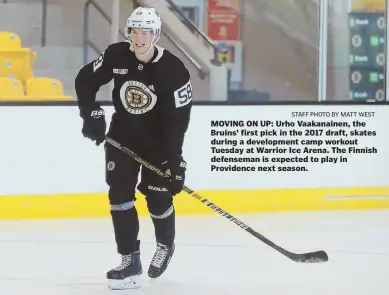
(141, 40)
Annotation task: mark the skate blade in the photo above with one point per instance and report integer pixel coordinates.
(125, 284)
(152, 280)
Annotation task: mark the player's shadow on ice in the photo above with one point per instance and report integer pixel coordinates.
(87, 287)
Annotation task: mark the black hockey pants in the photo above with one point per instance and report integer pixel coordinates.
(122, 177)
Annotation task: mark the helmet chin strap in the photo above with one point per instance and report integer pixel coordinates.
(150, 47)
(155, 40)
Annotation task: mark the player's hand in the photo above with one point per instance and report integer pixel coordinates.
(176, 169)
(94, 126)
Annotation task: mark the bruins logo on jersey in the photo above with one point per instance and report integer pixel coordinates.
(137, 98)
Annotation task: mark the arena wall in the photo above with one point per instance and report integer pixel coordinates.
(49, 170)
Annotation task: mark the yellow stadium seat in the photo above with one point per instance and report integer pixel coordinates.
(11, 89)
(46, 89)
(17, 63)
(9, 40)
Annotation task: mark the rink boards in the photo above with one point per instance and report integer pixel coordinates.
(49, 170)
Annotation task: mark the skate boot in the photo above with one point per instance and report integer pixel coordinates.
(127, 274)
(161, 260)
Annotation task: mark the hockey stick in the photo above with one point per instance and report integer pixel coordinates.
(311, 257)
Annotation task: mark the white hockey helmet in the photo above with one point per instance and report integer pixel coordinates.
(145, 18)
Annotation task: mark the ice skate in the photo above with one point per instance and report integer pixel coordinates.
(160, 261)
(127, 274)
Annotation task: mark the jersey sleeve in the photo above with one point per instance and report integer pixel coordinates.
(91, 77)
(177, 113)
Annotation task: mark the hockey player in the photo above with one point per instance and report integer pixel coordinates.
(152, 98)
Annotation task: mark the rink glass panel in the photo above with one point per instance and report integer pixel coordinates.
(280, 46)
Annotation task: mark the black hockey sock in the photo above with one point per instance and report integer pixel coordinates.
(164, 225)
(126, 226)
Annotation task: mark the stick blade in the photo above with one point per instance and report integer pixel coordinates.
(312, 257)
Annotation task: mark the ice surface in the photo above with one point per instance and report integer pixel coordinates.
(213, 256)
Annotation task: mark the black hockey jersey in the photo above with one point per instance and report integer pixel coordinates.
(152, 100)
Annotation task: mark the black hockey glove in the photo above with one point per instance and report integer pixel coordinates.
(176, 169)
(94, 126)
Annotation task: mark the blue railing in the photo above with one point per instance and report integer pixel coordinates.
(87, 41)
(44, 23)
(206, 40)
